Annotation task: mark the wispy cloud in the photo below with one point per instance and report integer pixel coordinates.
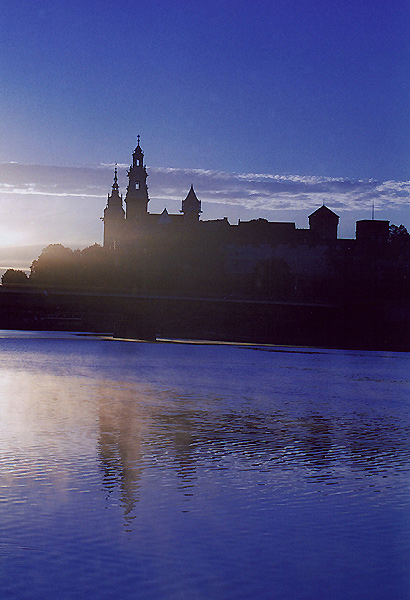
(45, 204)
(247, 190)
(282, 192)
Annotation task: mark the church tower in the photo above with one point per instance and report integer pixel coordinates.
(136, 199)
(114, 217)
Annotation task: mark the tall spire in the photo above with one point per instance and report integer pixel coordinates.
(114, 216)
(138, 139)
(115, 184)
(115, 198)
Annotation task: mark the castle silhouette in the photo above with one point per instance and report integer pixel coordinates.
(256, 257)
(124, 227)
(178, 276)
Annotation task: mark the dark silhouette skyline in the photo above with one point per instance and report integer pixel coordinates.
(258, 280)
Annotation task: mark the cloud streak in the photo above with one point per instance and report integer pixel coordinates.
(283, 192)
(247, 190)
(45, 204)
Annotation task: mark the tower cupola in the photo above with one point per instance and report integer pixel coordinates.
(138, 155)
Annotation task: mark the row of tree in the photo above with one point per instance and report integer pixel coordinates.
(198, 267)
(60, 266)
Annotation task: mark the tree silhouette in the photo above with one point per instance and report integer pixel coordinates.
(14, 276)
(56, 265)
(399, 238)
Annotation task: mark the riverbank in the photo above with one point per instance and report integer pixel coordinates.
(356, 326)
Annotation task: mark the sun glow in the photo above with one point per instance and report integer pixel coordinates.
(11, 237)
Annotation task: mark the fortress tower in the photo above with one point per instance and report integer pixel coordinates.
(323, 224)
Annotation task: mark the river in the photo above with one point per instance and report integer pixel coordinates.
(202, 472)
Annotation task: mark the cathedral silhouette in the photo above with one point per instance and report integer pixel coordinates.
(183, 254)
(129, 227)
(125, 228)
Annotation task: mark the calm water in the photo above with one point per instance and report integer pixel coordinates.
(176, 471)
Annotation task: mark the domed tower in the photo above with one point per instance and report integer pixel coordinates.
(191, 206)
(136, 199)
(114, 217)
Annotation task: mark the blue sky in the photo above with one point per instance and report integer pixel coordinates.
(286, 89)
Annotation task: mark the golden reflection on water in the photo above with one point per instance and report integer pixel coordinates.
(35, 404)
(122, 422)
(45, 430)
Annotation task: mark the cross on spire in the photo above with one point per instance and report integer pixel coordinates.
(138, 139)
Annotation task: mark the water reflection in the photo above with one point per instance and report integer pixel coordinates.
(136, 435)
(219, 477)
(119, 448)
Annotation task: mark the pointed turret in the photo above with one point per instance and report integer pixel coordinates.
(114, 216)
(137, 199)
(191, 206)
(115, 199)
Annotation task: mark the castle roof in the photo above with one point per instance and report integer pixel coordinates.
(191, 197)
(324, 212)
(191, 204)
